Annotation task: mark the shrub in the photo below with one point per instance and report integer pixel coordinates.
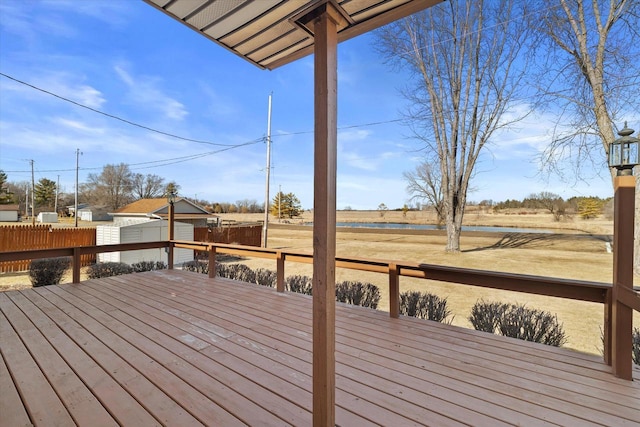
(143, 266)
(266, 277)
(196, 266)
(358, 293)
(635, 355)
(236, 272)
(531, 325)
(424, 306)
(300, 284)
(108, 269)
(485, 316)
(48, 271)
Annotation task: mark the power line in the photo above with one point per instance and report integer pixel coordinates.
(129, 122)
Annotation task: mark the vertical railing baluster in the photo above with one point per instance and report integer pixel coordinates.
(394, 291)
(212, 261)
(280, 271)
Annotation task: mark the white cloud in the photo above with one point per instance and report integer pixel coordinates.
(144, 91)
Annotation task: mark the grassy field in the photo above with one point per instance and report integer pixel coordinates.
(576, 251)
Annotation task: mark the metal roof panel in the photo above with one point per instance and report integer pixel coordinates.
(265, 33)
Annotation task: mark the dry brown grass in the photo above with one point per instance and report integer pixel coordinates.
(579, 257)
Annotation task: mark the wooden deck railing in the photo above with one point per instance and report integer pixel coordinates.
(598, 292)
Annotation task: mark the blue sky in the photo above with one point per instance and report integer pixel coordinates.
(129, 60)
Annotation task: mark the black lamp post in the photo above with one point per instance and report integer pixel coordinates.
(623, 156)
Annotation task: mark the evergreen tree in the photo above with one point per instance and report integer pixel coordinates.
(286, 206)
(6, 197)
(45, 193)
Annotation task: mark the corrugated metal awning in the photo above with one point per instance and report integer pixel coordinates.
(271, 33)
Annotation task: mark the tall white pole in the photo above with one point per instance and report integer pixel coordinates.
(33, 200)
(75, 204)
(55, 206)
(265, 226)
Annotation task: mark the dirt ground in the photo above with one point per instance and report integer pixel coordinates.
(578, 250)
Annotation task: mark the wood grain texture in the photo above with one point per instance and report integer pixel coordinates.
(179, 348)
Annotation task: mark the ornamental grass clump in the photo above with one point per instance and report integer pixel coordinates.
(238, 272)
(48, 271)
(108, 269)
(424, 306)
(486, 316)
(518, 321)
(265, 277)
(196, 266)
(300, 284)
(358, 293)
(142, 266)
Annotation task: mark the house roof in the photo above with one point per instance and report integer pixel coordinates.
(9, 208)
(143, 206)
(159, 207)
(271, 33)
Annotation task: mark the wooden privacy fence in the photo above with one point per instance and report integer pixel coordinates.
(29, 237)
(241, 234)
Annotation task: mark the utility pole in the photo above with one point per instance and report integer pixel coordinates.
(33, 188)
(75, 205)
(56, 202)
(266, 191)
(26, 202)
(279, 201)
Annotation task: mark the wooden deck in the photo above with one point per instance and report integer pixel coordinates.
(179, 349)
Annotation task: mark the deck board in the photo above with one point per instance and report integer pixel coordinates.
(178, 348)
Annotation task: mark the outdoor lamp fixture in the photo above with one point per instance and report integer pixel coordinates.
(171, 196)
(623, 155)
(624, 152)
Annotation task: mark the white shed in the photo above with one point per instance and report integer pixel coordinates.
(48, 217)
(134, 231)
(9, 213)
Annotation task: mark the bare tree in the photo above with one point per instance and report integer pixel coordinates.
(424, 183)
(467, 63)
(147, 186)
(111, 188)
(594, 69)
(590, 75)
(549, 201)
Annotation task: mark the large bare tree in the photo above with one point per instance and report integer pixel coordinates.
(592, 71)
(111, 188)
(467, 61)
(147, 186)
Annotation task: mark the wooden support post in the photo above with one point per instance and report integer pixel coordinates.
(325, 24)
(279, 271)
(607, 331)
(170, 236)
(622, 316)
(394, 291)
(77, 263)
(212, 262)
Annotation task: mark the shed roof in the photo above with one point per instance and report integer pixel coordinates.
(9, 208)
(271, 33)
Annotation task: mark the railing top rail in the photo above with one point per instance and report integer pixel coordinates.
(550, 286)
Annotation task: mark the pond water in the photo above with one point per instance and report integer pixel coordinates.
(386, 225)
